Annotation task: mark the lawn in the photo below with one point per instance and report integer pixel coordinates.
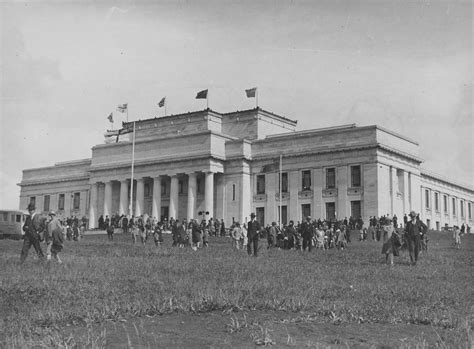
(116, 294)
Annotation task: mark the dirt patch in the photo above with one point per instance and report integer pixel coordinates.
(254, 328)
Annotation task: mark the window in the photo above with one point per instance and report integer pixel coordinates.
(33, 200)
(445, 203)
(163, 188)
(5, 216)
(233, 192)
(305, 211)
(330, 178)
(427, 198)
(284, 214)
(146, 190)
(46, 203)
(436, 202)
(260, 215)
(469, 212)
(428, 223)
(18, 218)
(461, 204)
(437, 226)
(356, 209)
(260, 184)
(355, 176)
(306, 180)
(180, 187)
(454, 206)
(61, 202)
(284, 182)
(199, 185)
(76, 201)
(330, 210)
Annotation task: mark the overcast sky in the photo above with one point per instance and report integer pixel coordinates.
(404, 65)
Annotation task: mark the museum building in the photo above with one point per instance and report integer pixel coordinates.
(226, 165)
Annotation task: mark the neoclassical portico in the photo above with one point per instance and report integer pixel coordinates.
(107, 192)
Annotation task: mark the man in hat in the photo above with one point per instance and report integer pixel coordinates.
(34, 225)
(253, 231)
(415, 228)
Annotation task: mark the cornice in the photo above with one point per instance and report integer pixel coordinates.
(52, 180)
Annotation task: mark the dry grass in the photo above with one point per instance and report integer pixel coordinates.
(118, 281)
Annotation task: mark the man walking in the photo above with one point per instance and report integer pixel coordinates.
(307, 234)
(253, 231)
(414, 229)
(34, 225)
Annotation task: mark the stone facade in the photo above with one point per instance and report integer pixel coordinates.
(208, 164)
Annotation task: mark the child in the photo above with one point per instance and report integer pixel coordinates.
(158, 235)
(58, 241)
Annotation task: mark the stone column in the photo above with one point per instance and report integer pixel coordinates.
(140, 200)
(342, 206)
(173, 209)
(93, 206)
(192, 187)
(209, 194)
(108, 199)
(317, 184)
(294, 209)
(123, 207)
(156, 201)
(406, 200)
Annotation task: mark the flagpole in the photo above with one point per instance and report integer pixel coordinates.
(281, 158)
(127, 115)
(207, 100)
(133, 163)
(256, 97)
(166, 102)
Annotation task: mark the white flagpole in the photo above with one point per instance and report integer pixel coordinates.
(127, 118)
(207, 99)
(256, 97)
(166, 103)
(133, 164)
(281, 158)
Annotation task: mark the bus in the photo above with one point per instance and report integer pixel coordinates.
(11, 224)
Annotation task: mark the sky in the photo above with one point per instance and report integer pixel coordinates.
(404, 65)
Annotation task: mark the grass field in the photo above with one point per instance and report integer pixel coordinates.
(115, 294)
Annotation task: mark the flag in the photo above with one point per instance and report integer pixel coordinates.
(124, 130)
(202, 94)
(162, 102)
(111, 117)
(273, 167)
(122, 107)
(251, 92)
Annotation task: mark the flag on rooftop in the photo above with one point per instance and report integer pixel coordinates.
(202, 94)
(122, 107)
(251, 92)
(162, 102)
(111, 117)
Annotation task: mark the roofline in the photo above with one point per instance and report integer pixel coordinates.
(307, 132)
(393, 133)
(266, 112)
(465, 186)
(168, 117)
(60, 164)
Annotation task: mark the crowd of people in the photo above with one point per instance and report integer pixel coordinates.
(302, 236)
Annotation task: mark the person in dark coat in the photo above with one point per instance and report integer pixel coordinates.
(414, 229)
(253, 231)
(33, 227)
(307, 234)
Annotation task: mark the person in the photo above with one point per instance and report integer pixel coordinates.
(237, 236)
(307, 234)
(57, 241)
(52, 225)
(457, 236)
(33, 227)
(196, 235)
(110, 231)
(414, 229)
(253, 231)
(272, 235)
